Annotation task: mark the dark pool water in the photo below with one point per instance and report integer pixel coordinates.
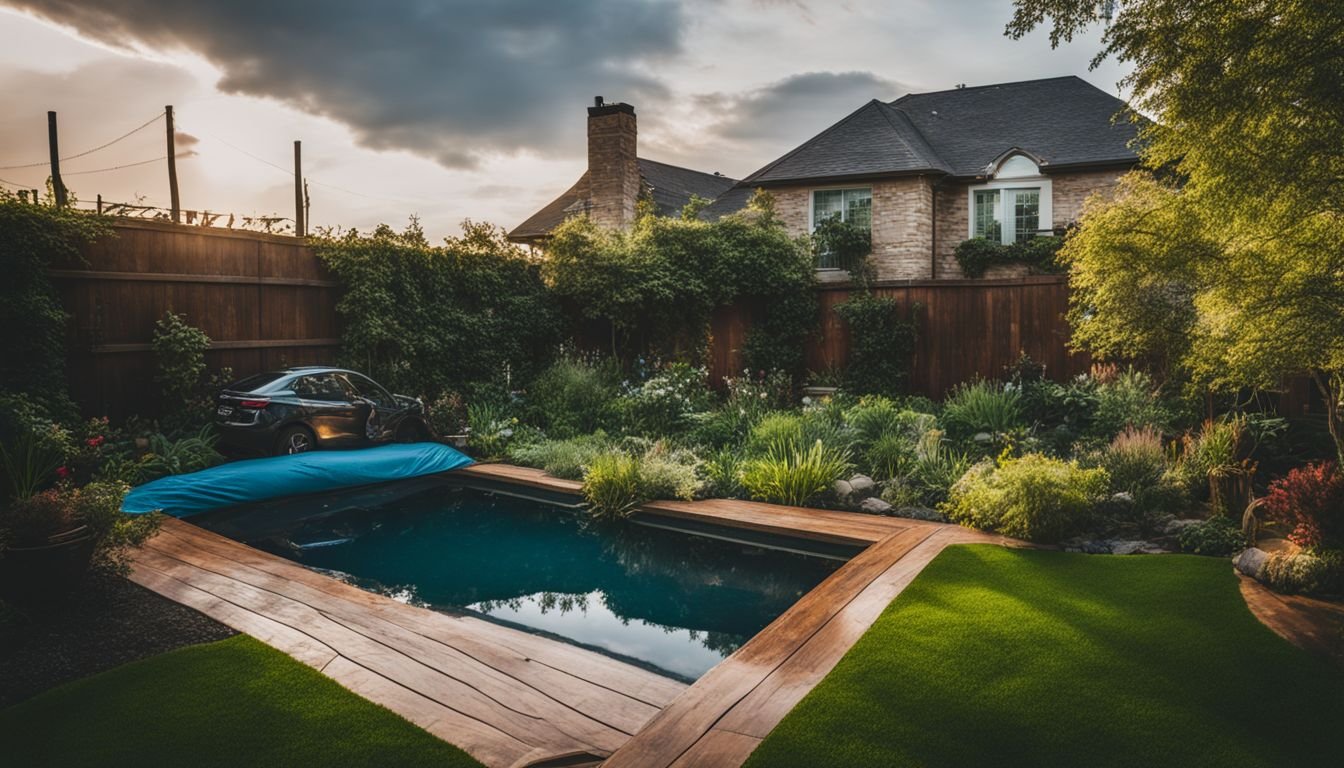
(669, 600)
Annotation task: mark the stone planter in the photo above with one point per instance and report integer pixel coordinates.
(30, 575)
(819, 392)
(457, 441)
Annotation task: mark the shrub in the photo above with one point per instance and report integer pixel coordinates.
(1310, 500)
(490, 428)
(561, 458)
(723, 474)
(1218, 536)
(1130, 399)
(1137, 463)
(468, 316)
(1033, 497)
(574, 396)
(788, 474)
(979, 254)
(1316, 573)
(873, 417)
(1216, 447)
(882, 344)
(890, 456)
(177, 457)
(613, 486)
(797, 431)
(661, 405)
(29, 522)
(448, 414)
(982, 406)
(669, 473)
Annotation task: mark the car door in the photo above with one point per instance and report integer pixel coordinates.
(333, 415)
(380, 424)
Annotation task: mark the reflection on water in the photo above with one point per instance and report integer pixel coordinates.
(677, 602)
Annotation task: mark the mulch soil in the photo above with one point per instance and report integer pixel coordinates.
(108, 622)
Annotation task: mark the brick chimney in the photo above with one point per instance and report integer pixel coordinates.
(613, 172)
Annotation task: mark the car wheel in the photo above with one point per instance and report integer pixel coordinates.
(295, 440)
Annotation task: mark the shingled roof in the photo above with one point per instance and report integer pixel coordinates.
(1062, 121)
(669, 186)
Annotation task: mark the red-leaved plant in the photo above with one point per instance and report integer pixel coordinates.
(1311, 500)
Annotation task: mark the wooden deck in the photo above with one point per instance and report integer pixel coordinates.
(512, 698)
(505, 696)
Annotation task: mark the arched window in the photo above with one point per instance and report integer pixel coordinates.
(1014, 205)
(1016, 167)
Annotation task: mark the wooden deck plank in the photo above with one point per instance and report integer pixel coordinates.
(761, 710)
(718, 747)
(607, 721)
(678, 727)
(635, 686)
(277, 635)
(390, 663)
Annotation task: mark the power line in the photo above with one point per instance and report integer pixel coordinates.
(137, 129)
(118, 167)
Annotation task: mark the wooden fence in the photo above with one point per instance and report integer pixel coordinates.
(264, 300)
(967, 328)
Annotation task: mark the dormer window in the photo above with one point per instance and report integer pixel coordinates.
(1014, 205)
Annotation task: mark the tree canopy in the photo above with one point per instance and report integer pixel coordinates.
(1227, 259)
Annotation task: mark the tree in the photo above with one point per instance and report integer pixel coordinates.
(1247, 243)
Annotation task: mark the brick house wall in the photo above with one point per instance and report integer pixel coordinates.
(903, 221)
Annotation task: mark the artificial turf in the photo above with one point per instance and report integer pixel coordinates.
(1028, 658)
(232, 703)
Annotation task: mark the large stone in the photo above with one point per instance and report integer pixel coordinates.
(1177, 525)
(875, 506)
(843, 491)
(1134, 547)
(862, 486)
(1251, 561)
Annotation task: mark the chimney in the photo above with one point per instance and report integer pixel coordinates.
(613, 172)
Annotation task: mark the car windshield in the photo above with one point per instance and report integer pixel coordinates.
(254, 382)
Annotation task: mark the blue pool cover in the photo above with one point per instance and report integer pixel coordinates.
(241, 482)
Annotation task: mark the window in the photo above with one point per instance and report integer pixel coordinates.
(365, 388)
(850, 205)
(987, 214)
(1009, 211)
(1026, 213)
(326, 387)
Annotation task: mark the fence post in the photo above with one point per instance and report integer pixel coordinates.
(172, 167)
(299, 229)
(57, 185)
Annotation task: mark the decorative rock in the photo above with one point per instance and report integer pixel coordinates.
(1251, 561)
(862, 486)
(920, 513)
(1137, 547)
(1176, 526)
(843, 490)
(875, 506)
(983, 438)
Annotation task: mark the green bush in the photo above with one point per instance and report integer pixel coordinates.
(1037, 253)
(490, 429)
(1216, 447)
(1138, 464)
(882, 344)
(890, 456)
(662, 404)
(797, 431)
(1218, 536)
(1033, 497)
(613, 486)
(448, 414)
(983, 407)
(789, 474)
(1130, 399)
(178, 457)
(666, 472)
(561, 458)
(1312, 573)
(469, 316)
(574, 396)
(723, 474)
(33, 239)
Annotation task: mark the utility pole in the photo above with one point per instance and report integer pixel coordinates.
(57, 185)
(299, 230)
(172, 167)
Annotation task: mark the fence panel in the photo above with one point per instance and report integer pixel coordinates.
(264, 300)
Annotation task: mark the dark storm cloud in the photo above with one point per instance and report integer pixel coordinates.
(795, 108)
(450, 79)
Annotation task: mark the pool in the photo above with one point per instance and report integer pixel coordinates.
(672, 601)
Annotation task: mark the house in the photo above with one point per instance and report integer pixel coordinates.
(617, 178)
(924, 172)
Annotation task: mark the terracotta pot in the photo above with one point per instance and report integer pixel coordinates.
(34, 574)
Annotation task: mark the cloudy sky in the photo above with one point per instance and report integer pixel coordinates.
(454, 109)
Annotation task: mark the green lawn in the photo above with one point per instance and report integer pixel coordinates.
(232, 703)
(1021, 658)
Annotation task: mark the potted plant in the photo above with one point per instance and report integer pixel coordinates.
(824, 383)
(50, 534)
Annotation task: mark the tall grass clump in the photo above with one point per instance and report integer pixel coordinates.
(790, 474)
(983, 406)
(613, 485)
(561, 458)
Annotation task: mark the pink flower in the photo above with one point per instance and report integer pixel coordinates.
(94, 442)
(63, 472)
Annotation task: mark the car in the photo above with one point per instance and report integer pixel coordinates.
(302, 409)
